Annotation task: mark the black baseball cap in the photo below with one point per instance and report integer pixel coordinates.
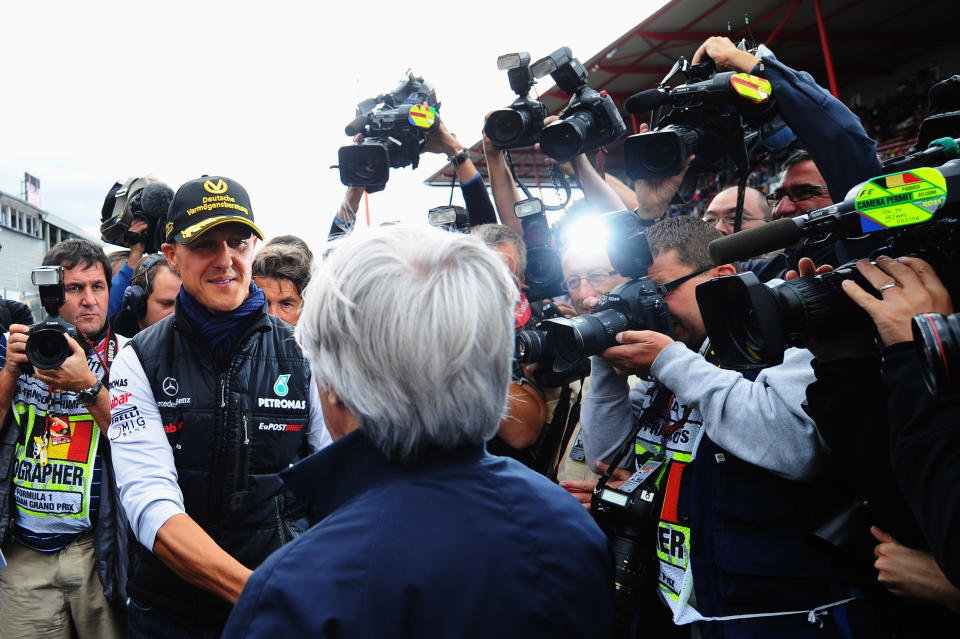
(209, 201)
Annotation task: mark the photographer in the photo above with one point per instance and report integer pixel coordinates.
(898, 443)
(65, 540)
(737, 499)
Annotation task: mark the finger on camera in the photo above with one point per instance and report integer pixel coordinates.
(876, 276)
(861, 298)
(903, 273)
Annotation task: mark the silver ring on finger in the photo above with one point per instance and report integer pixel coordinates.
(887, 286)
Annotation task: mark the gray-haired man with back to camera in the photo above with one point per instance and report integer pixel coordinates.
(421, 532)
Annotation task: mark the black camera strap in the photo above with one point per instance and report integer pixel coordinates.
(657, 405)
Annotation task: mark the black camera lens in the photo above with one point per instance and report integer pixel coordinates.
(564, 139)
(543, 267)
(938, 342)
(530, 346)
(47, 348)
(587, 334)
(660, 153)
(364, 164)
(507, 128)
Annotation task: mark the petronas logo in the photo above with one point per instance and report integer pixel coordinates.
(280, 389)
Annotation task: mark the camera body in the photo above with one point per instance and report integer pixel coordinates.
(533, 347)
(544, 273)
(519, 124)
(47, 346)
(713, 116)
(591, 118)
(628, 515)
(395, 127)
(632, 306)
(144, 198)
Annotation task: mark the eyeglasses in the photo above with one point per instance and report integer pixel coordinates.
(796, 193)
(728, 219)
(594, 278)
(665, 289)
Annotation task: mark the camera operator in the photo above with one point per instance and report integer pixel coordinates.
(149, 298)
(65, 540)
(133, 215)
(741, 452)
(896, 443)
(209, 404)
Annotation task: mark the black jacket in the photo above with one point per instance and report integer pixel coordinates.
(232, 429)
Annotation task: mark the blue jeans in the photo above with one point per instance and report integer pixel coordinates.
(146, 622)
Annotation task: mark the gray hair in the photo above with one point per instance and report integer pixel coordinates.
(413, 329)
(494, 235)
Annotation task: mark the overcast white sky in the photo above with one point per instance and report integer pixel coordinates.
(260, 92)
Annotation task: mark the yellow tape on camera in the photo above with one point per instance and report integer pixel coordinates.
(751, 87)
(902, 199)
(422, 116)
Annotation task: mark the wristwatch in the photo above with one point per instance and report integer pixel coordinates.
(89, 395)
(459, 157)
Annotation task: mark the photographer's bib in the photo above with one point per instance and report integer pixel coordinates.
(55, 459)
(677, 435)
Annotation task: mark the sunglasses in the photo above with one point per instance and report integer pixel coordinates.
(797, 193)
(665, 289)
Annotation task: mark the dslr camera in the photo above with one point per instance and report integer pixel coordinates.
(590, 119)
(47, 346)
(714, 116)
(519, 124)
(544, 274)
(395, 127)
(633, 305)
(531, 347)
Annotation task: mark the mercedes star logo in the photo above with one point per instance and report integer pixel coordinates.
(170, 386)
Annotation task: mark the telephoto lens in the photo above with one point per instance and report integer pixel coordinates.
(937, 338)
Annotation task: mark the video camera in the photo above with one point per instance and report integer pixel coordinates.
(47, 346)
(145, 198)
(714, 116)
(750, 324)
(633, 305)
(519, 124)
(589, 120)
(395, 127)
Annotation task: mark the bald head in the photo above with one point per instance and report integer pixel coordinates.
(720, 213)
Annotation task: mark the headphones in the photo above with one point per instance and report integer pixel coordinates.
(135, 297)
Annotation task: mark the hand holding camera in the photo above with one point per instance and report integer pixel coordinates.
(908, 286)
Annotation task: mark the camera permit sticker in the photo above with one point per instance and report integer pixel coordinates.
(751, 87)
(422, 116)
(901, 199)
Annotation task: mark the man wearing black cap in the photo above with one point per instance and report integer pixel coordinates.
(208, 405)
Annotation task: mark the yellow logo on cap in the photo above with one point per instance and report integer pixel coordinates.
(169, 228)
(216, 189)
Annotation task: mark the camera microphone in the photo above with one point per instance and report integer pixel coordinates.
(645, 101)
(356, 125)
(155, 199)
(756, 241)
